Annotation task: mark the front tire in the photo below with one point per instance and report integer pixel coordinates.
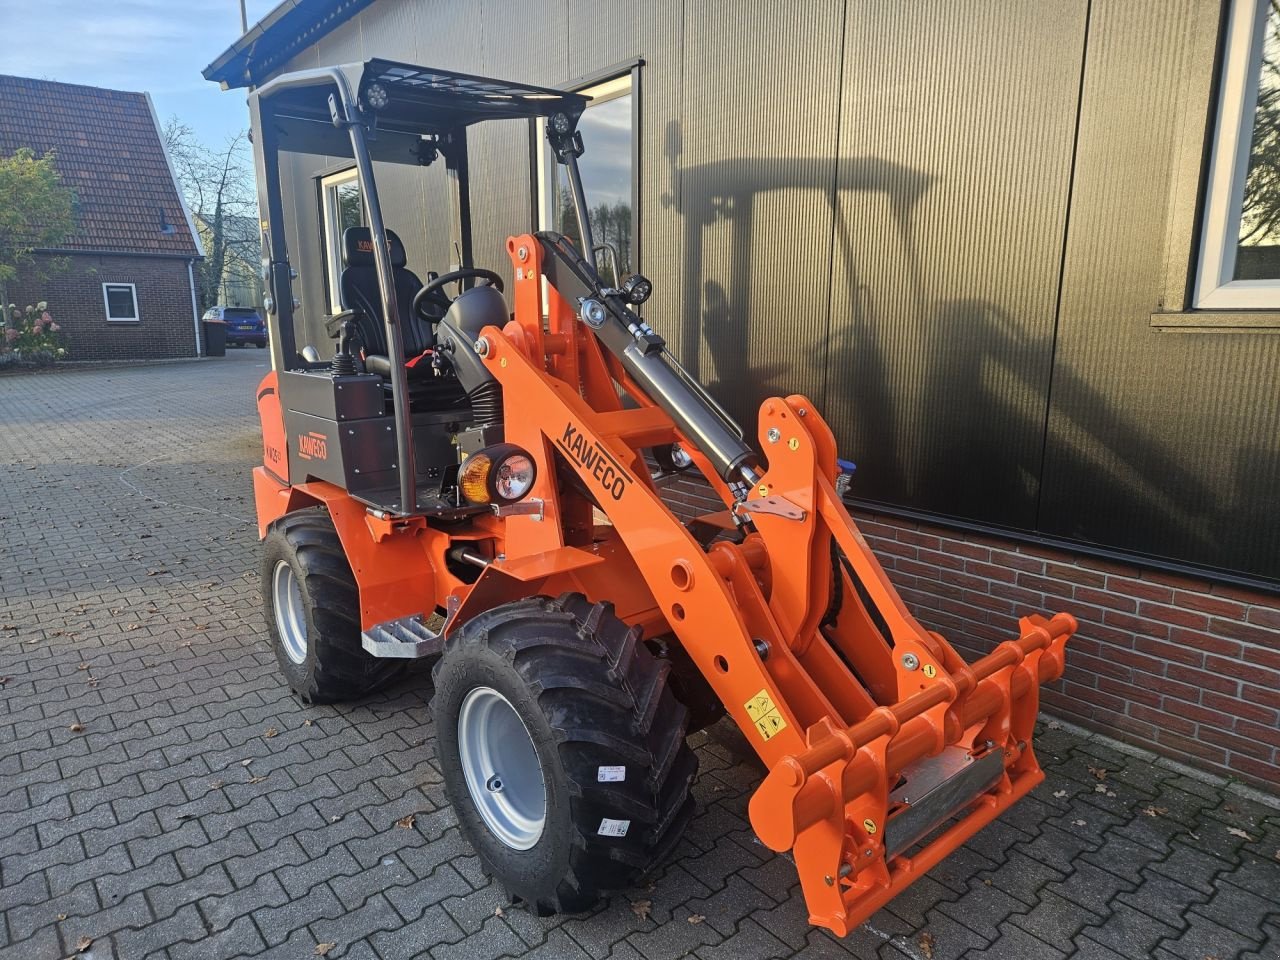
(563, 750)
(312, 606)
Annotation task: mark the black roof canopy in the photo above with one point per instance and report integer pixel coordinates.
(412, 102)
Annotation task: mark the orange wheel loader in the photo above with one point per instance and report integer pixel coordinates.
(470, 476)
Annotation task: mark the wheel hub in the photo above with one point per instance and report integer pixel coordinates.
(501, 768)
(291, 617)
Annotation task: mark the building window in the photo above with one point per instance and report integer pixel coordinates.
(341, 207)
(121, 302)
(1240, 246)
(608, 176)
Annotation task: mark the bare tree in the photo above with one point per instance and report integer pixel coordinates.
(1261, 206)
(218, 185)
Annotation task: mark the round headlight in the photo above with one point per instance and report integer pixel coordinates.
(513, 477)
(560, 123)
(503, 473)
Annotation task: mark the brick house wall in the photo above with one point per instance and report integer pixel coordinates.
(1187, 668)
(165, 327)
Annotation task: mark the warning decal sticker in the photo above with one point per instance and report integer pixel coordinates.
(765, 715)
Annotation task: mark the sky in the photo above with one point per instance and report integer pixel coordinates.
(159, 46)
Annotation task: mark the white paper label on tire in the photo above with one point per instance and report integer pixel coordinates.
(614, 828)
(611, 774)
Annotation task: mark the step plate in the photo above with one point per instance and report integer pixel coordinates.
(408, 638)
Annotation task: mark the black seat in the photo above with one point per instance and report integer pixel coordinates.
(359, 285)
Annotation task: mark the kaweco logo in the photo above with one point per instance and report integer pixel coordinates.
(598, 461)
(312, 446)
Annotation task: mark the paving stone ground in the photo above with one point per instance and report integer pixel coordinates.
(163, 795)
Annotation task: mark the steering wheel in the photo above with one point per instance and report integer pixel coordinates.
(433, 289)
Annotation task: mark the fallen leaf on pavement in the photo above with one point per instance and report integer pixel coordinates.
(405, 823)
(83, 666)
(76, 728)
(84, 944)
(1099, 772)
(927, 943)
(1155, 811)
(271, 732)
(308, 723)
(642, 908)
(245, 763)
(62, 916)
(323, 948)
(497, 912)
(1237, 832)
(256, 779)
(696, 918)
(1079, 823)
(1059, 794)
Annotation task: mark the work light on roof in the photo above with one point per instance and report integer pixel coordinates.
(560, 123)
(376, 96)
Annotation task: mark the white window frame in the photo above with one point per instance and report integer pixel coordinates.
(600, 93)
(332, 241)
(1224, 195)
(106, 303)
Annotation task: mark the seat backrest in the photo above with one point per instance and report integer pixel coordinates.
(359, 287)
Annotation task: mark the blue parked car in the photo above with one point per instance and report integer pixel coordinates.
(244, 325)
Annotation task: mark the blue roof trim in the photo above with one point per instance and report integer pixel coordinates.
(289, 28)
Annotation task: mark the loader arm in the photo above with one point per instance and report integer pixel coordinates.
(876, 733)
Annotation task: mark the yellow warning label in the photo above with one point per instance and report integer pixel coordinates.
(930, 670)
(765, 715)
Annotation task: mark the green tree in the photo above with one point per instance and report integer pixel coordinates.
(36, 211)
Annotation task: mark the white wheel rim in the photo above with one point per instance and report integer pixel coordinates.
(501, 767)
(291, 618)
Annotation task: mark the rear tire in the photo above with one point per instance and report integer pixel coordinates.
(608, 736)
(312, 606)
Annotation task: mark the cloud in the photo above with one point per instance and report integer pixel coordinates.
(159, 46)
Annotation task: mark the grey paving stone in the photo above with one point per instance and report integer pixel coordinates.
(1015, 943)
(185, 925)
(319, 903)
(1129, 932)
(429, 932)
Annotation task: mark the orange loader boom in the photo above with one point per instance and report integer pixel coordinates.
(886, 751)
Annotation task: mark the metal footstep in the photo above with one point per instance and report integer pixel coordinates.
(407, 638)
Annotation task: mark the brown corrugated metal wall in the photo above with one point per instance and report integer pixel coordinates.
(948, 223)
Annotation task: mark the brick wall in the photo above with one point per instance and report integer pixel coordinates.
(1175, 664)
(74, 294)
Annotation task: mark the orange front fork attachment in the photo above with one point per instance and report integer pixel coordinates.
(830, 804)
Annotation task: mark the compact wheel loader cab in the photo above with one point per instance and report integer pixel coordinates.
(467, 478)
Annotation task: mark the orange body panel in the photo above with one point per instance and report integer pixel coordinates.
(832, 681)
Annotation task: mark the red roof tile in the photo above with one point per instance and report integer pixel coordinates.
(109, 151)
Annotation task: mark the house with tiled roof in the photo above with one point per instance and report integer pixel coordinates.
(122, 286)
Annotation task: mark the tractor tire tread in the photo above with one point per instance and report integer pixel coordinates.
(580, 661)
(342, 670)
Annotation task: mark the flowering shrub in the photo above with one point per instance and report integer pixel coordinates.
(31, 335)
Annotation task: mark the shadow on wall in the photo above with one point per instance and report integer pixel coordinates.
(941, 402)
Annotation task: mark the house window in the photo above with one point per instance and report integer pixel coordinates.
(341, 207)
(120, 301)
(608, 176)
(1240, 245)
